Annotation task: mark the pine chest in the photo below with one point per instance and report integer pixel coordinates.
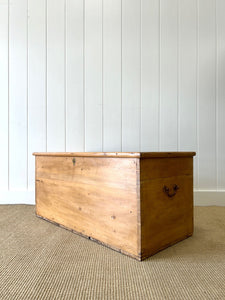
(135, 203)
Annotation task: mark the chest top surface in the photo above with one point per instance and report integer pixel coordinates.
(118, 154)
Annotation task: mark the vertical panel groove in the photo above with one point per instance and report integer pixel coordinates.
(121, 76)
(46, 71)
(102, 78)
(74, 80)
(220, 94)
(149, 75)
(131, 75)
(27, 15)
(216, 92)
(169, 75)
(8, 99)
(197, 93)
(207, 101)
(187, 73)
(140, 116)
(36, 125)
(178, 76)
(93, 75)
(111, 70)
(159, 105)
(102, 104)
(84, 83)
(65, 77)
(56, 75)
(18, 95)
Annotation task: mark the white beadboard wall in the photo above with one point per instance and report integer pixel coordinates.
(112, 75)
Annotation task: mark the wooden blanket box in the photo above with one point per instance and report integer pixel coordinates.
(135, 203)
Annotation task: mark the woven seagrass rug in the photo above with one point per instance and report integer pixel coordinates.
(39, 260)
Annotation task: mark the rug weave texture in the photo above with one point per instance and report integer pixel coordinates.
(39, 260)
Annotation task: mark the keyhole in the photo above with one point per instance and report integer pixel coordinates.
(74, 161)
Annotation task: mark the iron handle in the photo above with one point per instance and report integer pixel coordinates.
(172, 193)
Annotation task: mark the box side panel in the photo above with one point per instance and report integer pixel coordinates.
(96, 197)
(166, 206)
(165, 167)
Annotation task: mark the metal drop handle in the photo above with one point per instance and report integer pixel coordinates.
(172, 193)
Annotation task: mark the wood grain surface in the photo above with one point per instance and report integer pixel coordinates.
(96, 197)
(117, 154)
(117, 199)
(165, 220)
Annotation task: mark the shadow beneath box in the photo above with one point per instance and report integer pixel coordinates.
(201, 245)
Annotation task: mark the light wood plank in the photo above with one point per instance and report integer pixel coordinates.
(118, 154)
(92, 208)
(150, 75)
(36, 83)
(131, 75)
(207, 95)
(89, 154)
(84, 168)
(112, 75)
(4, 94)
(18, 94)
(93, 75)
(166, 167)
(221, 94)
(74, 76)
(168, 75)
(55, 75)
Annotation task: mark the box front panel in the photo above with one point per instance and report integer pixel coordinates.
(96, 197)
(166, 207)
